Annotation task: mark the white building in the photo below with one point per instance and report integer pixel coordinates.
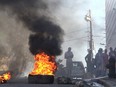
(110, 23)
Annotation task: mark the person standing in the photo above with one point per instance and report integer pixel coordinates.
(68, 56)
(105, 61)
(115, 53)
(99, 63)
(88, 59)
(111, 53)
(112, 62)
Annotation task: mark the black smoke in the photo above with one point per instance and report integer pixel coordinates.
(46, 36)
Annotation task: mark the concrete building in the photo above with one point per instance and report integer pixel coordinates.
(110, 23)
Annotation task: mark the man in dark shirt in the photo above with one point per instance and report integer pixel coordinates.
(88, 60)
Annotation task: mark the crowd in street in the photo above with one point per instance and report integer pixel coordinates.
(103, 63)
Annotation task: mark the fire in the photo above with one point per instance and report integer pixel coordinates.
(5, 77)
(44, 64)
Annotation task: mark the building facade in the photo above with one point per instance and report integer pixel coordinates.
(110, 23)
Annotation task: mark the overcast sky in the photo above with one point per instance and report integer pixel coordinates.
(70, 15)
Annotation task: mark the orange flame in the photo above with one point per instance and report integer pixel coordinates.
(44, 65)
(5, 77)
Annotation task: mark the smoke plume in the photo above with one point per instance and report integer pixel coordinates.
(46, 36)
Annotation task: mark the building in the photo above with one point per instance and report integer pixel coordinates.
(110, 23)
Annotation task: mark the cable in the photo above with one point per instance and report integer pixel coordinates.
(75, 39)
(75, 31)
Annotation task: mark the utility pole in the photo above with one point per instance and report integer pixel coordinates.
(88, 19)
(91, 36)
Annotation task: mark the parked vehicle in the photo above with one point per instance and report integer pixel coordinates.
(78, 70)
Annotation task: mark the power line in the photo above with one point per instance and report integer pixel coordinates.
(75, 39)
(75, 31)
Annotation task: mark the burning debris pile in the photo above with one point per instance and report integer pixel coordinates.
(46, 37)
(45, 45)
(44, 69)
(5, 77)
(44, 65)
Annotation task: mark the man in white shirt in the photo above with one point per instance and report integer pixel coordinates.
(68, 56)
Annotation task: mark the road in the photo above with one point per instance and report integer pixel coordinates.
(35, 85)
(22, 82)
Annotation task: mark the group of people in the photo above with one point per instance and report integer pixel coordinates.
(100, 64)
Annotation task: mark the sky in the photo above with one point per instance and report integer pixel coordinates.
(70, 15)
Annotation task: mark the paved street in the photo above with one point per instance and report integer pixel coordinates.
(22, 82)
(35, 85)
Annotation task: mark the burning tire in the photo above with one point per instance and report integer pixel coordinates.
(3, 81)
(40, 79)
